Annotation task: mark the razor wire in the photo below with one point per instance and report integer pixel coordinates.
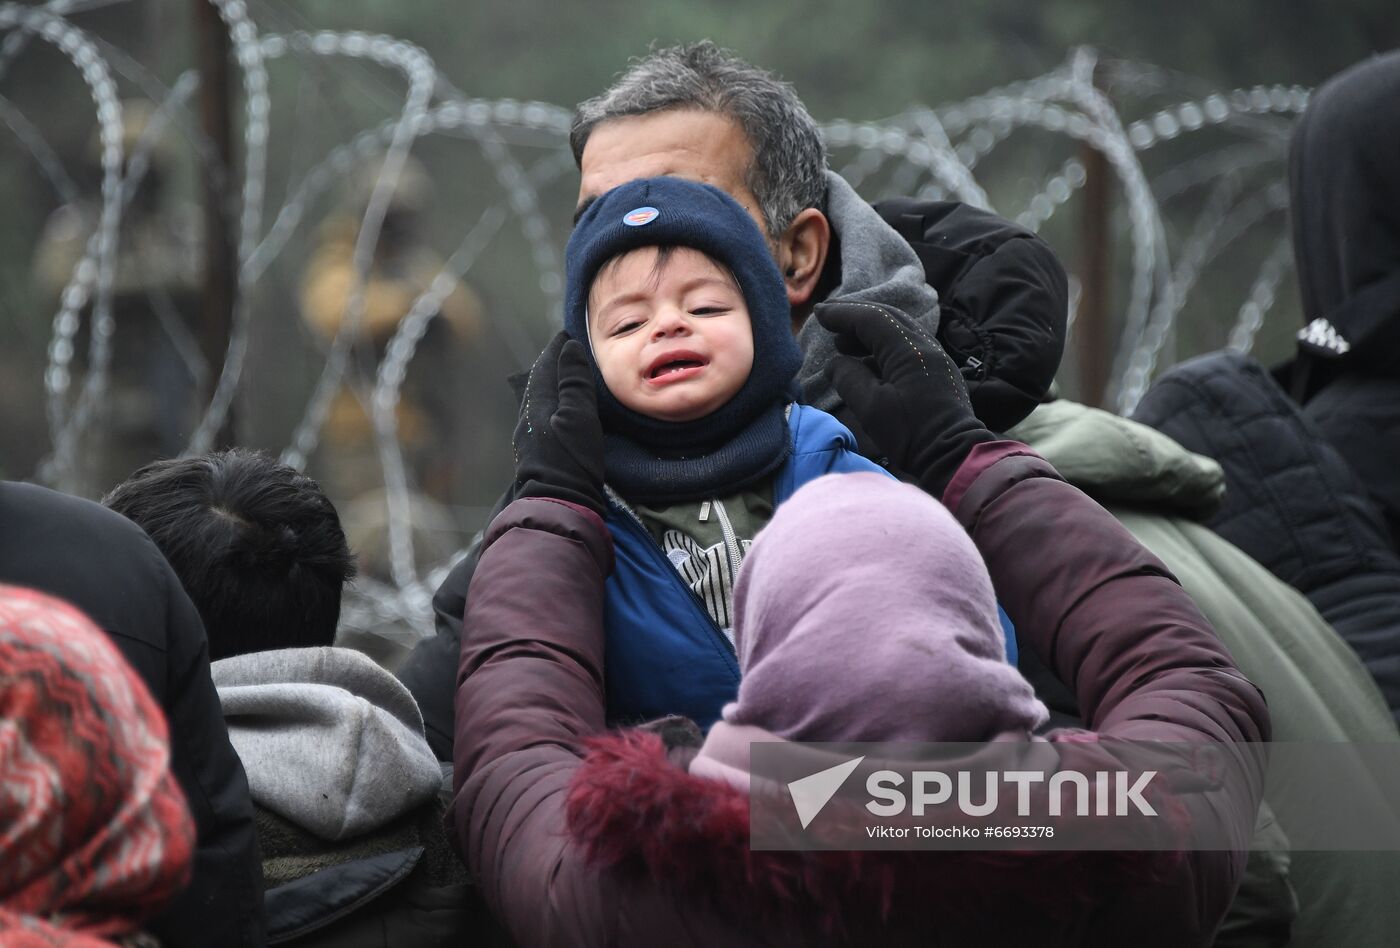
(418, 69)
(936, 150)
(66, 428)
(1262, 294)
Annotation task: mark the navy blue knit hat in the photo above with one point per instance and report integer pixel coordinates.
(656, 212)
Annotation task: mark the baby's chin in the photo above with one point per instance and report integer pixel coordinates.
(678, 417)
(679, 410)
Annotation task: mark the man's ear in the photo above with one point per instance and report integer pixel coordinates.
(802, 254)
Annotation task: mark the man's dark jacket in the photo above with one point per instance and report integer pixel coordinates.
(1292, 502)
(1002, 314)
(106, 566)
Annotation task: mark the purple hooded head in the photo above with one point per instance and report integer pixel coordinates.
(864, 613)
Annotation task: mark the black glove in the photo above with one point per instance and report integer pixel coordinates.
(904, 391)
(558, 439)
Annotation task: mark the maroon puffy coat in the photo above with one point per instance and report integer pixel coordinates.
(642, 853)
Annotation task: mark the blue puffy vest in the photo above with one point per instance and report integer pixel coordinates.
(664, 654)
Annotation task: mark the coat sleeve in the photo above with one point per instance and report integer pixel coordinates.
(1103, 613)
(430, 672)
(529, 689)
(1114, 625)
(223, 905)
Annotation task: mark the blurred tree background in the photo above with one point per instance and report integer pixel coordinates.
(864, 62)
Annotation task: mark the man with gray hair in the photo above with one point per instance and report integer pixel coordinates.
(740, 125)
(699, 112)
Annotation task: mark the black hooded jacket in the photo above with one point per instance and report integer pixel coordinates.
(106, 566)
(1291, 501)
(1345, 180)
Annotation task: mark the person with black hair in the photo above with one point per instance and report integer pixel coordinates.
(256, 544)
(345, 788)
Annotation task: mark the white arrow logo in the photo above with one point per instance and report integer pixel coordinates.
(812, 793)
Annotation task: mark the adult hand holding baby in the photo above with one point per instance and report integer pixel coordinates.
(558, 440)
(904, 391)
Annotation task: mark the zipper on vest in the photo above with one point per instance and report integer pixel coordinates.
(731, 549)
(623, 506)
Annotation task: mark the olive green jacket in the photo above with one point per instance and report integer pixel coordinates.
(1316, 687)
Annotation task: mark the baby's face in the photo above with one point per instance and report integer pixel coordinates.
(672, 343)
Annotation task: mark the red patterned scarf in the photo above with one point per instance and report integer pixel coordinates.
(94, 833)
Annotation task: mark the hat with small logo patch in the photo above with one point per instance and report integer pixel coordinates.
(674, 212)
